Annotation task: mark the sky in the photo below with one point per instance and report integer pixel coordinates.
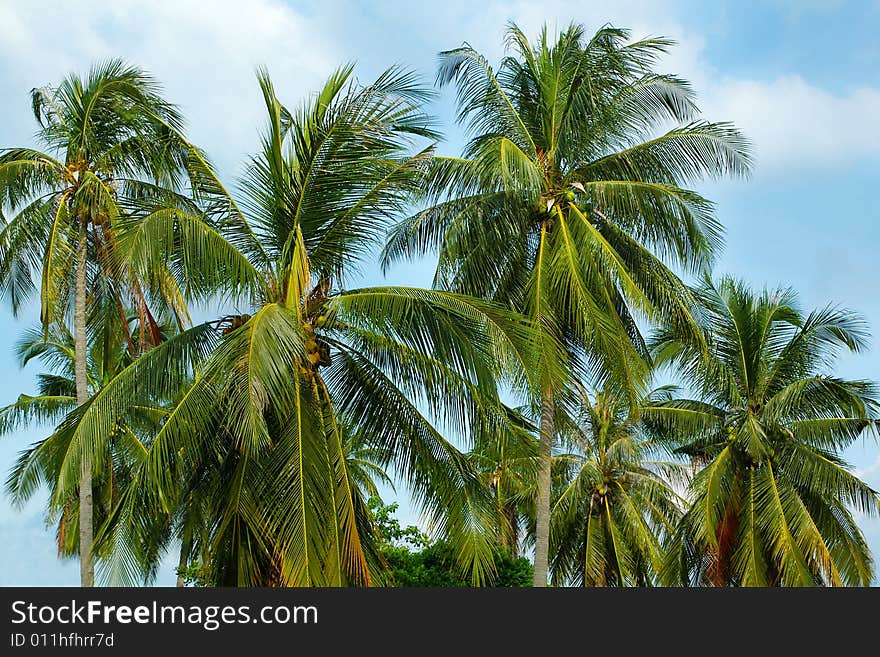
(799, 77)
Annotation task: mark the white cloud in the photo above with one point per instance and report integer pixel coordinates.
(203, 52)
(796, 124)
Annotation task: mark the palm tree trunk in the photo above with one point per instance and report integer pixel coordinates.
(542, 515)
(86, 533)
(719, 571)
(511, 529)
(185, 546)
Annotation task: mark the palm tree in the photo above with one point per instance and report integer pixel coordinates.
(771, 503)
(261, 395)
(110, 350)
(113, 147)
(564, 198)
(362, 463)
(614, 508)
(508, 465)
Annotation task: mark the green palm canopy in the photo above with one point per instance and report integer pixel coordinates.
(772, 503)
(569, 198)
(614, 503)
(70, 217)
(254, 447)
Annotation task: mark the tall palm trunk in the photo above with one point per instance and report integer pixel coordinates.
(725, 535)
(185, 546)
(542, 515)
(86, 534)
(511, 529)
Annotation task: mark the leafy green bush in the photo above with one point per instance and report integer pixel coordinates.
(415, 560)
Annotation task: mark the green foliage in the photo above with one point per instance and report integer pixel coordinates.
(114, 150)
(614, 504)
(414, 560)
(569, 202)
(255, 440)
(772, 502)
(116, 458)
(193, 575)
(254, 467)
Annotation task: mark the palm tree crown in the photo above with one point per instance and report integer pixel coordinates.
(771, 504)
(111, 138)
(565, 185)
(614, 505)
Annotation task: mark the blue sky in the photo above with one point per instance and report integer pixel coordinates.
(800, 77)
